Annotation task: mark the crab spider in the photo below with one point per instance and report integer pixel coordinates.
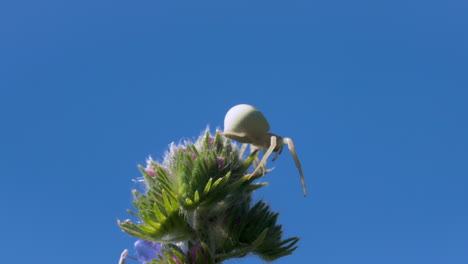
(246, 124)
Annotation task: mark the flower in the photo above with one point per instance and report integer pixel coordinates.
(149, 169)
(196, 252)
(198, 202)
(220, 163)
(147, 251)
(176, 260)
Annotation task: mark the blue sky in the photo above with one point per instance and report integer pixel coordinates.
(374, 94)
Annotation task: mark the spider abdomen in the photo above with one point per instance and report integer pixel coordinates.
(248, 120)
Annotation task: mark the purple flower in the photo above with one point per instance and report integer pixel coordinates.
(147, 251)
(150, 171)
(197, 251)
(220, 162)
(211, 140)
(149, 168)
(174, 258)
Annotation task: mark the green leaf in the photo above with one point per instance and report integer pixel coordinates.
(217, 182)
(260, 238)
(188, 201)
(161, 218)
(208, 257)
(167, 203)
(207, 187)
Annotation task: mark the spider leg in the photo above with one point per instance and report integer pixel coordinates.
(242, 150)
(277, 153)
(265, 156)
(232, 133)
(256, 160)
(296, 160)
(123, 256)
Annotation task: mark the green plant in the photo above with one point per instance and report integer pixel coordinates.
(197, 207)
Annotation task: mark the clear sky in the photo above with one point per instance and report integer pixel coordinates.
(374, 94)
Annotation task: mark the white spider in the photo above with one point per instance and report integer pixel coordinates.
(246, 124)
